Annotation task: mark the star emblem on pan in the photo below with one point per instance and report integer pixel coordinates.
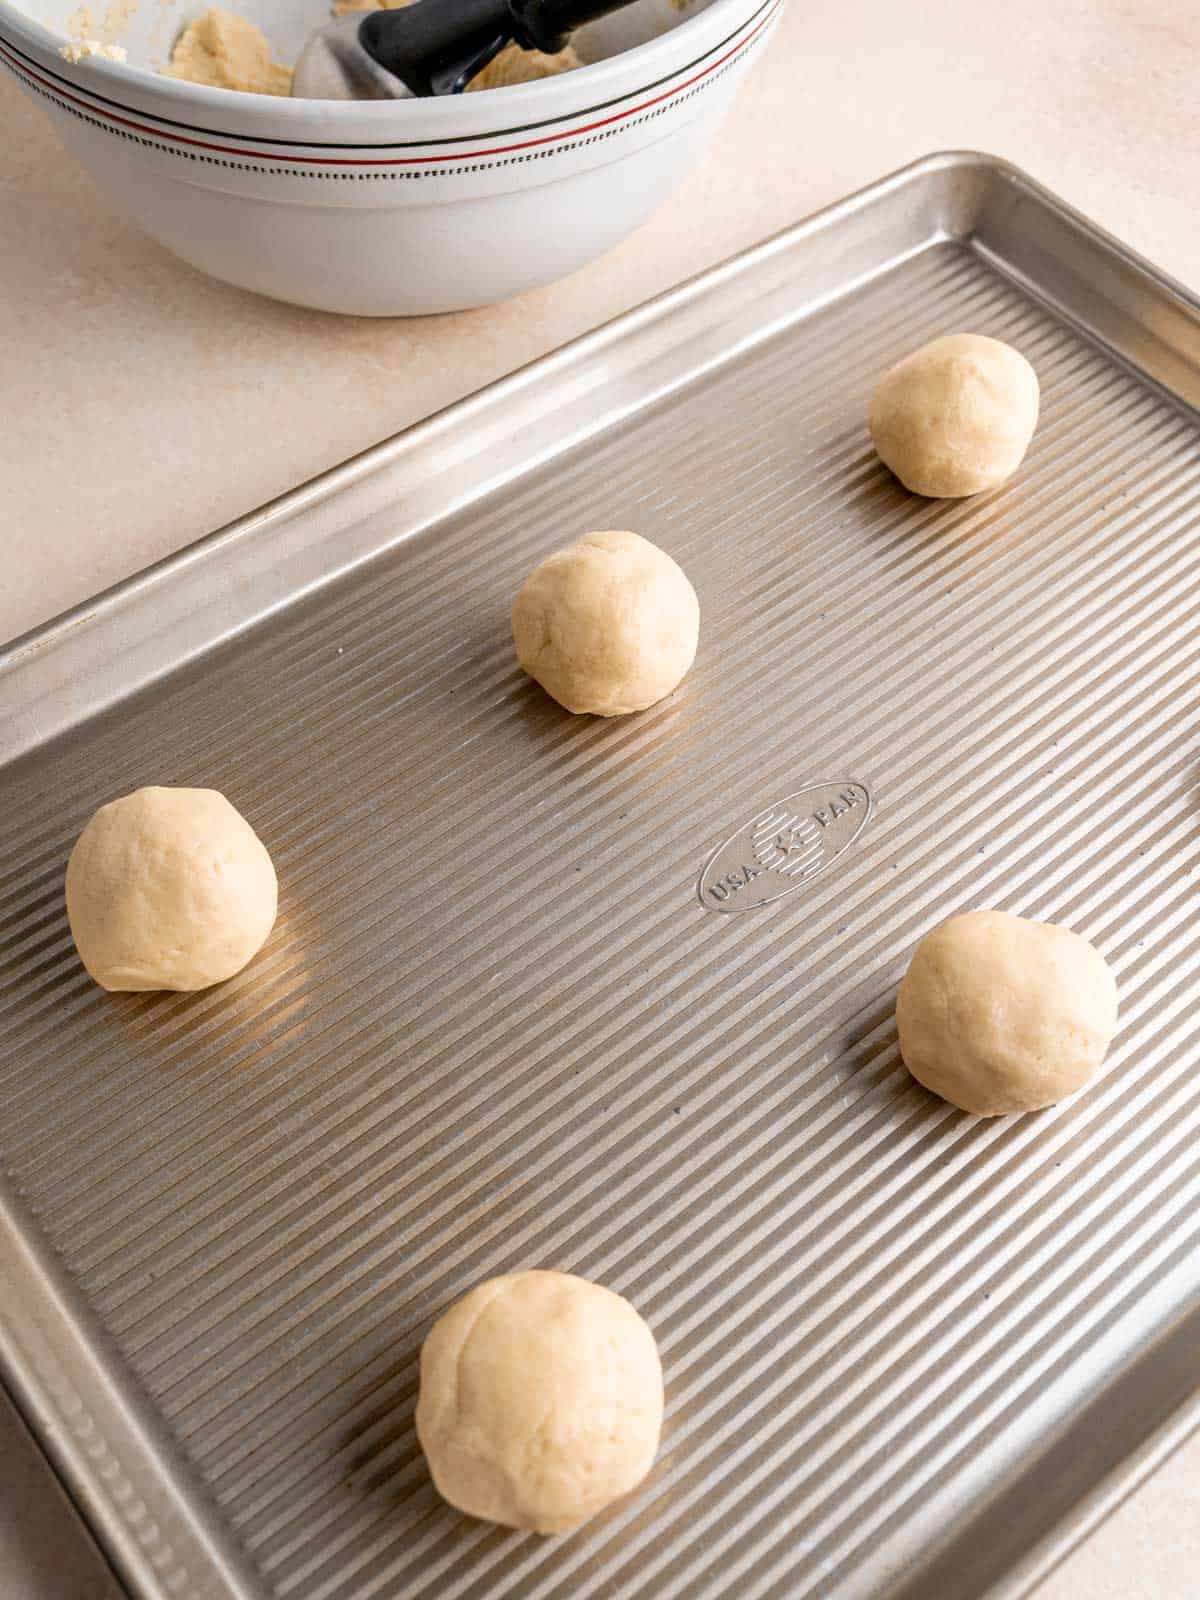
(789, 841)
(786, 843)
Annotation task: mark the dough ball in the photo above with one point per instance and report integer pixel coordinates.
(169, 889)
(541, 1400)
(999, 1014)
(608, 625)
(956, 416)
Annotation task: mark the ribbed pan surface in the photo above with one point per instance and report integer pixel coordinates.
(495, 1028)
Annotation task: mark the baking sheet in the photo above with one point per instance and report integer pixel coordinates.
(907, 1352)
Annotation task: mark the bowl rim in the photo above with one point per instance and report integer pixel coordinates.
(516, 107)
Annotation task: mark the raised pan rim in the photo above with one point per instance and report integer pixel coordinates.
(58, 1309)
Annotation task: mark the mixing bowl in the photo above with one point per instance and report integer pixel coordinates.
(388, 208)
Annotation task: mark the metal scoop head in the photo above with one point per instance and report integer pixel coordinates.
(334, 66)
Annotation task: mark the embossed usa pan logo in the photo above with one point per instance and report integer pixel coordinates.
(785, 847)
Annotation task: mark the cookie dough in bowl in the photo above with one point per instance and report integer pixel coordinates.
(541, 1400)
(169, 889)
(609, 625)
(998, 1014)
(225, 50)
(956, 416)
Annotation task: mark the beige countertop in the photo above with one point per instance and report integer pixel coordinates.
(146, 405)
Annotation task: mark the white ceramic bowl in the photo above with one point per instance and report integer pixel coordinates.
(389, 208)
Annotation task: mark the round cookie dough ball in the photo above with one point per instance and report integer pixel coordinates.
(169, 889)
(956, 416)
(999, 1014)
(541, 1400)
(608, 625)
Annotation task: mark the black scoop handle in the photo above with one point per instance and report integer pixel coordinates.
(437, 46)
(548, 24)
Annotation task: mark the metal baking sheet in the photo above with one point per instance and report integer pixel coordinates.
(908, 1353)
